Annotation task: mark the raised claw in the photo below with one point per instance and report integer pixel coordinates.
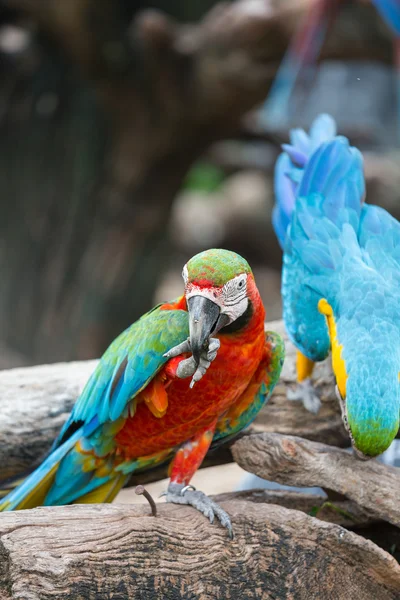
(179, 349)
(186, 368)
(206, 359)
(177, 494)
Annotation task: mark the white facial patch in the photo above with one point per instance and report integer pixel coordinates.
(185, 274)
(235, 300)
(231, 298)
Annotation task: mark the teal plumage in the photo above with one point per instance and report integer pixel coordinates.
(344, 251)
(103, 407)
(142, 346)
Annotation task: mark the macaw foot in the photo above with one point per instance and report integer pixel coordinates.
(307, 394)
(186, 494)
(189, 367)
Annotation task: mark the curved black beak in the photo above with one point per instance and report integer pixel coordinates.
(203, 318)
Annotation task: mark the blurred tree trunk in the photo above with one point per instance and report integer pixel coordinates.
(100, 119)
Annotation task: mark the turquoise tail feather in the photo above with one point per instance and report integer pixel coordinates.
(36, 485)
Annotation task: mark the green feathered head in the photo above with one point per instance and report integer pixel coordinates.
(215, 268)
(219, 291)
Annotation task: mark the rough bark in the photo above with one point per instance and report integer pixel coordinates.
(36, 401)
(95, 234)
(119, 551)
(298, 462)
(342, 512)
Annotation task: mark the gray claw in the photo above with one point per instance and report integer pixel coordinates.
(180, 494)
(179, 349)
(307, 394)
(206, 359)
(188, 367)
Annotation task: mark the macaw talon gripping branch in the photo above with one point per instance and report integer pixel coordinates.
(183, 494)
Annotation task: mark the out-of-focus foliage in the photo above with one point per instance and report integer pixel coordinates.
(204, 177)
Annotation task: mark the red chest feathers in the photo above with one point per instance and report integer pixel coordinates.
(192, 409)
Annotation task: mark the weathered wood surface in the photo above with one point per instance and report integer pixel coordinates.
(298, 462)
(35, 402)
(342, 512)
(96, 552)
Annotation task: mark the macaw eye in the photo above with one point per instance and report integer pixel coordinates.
(241, 283)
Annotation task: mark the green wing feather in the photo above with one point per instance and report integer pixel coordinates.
(126, 367)
(228, 429)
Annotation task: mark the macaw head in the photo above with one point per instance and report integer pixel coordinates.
(220, 292)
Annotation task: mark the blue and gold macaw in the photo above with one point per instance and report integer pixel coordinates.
(306, 46)
(340, 281)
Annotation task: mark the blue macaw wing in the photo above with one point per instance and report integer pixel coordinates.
(379, 237)
(126, 368)
(291, 166)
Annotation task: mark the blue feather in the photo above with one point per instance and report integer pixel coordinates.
(291, 166)
(12, 500)
(347, 252)
(390, 12)
(127, 366)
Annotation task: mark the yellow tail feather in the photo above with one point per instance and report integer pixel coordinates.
(37, 495)
(104, 493)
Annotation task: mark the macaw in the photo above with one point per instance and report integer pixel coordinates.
(139, 408)
(305, 48)
(340, 282)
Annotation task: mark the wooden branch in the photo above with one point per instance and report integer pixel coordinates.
(35, 402)
(338, 511)
(283, 416)
(342, 512)
(295, 461)
(119, 551)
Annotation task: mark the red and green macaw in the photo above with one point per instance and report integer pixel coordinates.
(184, 377)
(306, 45)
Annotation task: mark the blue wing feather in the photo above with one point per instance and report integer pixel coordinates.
(142, 347)
(79, 463)
(291, 166)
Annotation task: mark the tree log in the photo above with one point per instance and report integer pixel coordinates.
(343, 512)
(36, 401)
(117, 551)
(295, 461)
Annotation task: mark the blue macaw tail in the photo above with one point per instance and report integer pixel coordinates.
(290, 168)
(64, 478)
(34, 488)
